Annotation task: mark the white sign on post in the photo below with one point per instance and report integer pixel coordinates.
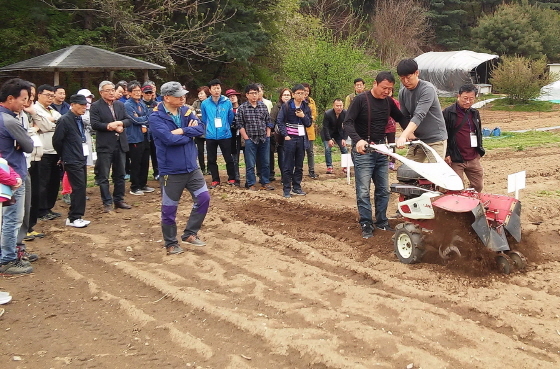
(516, 182)
(346, 162)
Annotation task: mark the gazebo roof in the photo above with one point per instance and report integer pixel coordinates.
(80, 58)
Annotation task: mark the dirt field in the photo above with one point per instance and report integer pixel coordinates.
(287, 283)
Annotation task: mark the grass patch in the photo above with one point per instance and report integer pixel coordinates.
(548, 193)
(446, 101)
(521, 141)
(527, 106)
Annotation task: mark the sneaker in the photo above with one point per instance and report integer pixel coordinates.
(66, 198)
(147, 189)
(35, 234)
(287, 195)
(28, 238)
(267, 187)
(344, 170)
(174, 249)
(77, 223)
(193, 240)
(313, 176)
(15, 267)
(385, 228)
(48, 216)
(126, 177)
(214, 184)
(330, 170)
(22, 254)
(272, 178)
(231, 182)
(298, 193)
(392, 166)
(367, 230)
(55, 214)
(137, 193)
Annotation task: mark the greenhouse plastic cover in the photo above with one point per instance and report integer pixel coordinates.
(551, 92)
(449, 70)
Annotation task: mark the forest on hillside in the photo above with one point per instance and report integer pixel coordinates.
(327, 43)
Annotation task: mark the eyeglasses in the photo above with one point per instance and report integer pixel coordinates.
(49, 96)
(253, 92)
(286, 94)
(108, 90)
(136, 90)
(148, 93)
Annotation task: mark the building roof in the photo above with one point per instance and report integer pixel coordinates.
(80, 58)
(449, 70)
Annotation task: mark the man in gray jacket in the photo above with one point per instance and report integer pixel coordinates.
(420, 104)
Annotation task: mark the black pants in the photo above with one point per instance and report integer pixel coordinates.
(212, 152)
(153, 155)
(34, 209)
(292, 172)
(236, 153)
(127, 163)
(49, 183)
(139, 164)
(200, 146)
(106, 160)
(77, 175)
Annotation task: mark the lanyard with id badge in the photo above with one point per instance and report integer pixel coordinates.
(300, 128)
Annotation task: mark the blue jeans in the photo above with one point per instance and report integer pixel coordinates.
(292, 172)
(328, 155)
(372, 167)
(12, 218)
(251, 152)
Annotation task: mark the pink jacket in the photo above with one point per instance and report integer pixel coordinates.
(9, 179)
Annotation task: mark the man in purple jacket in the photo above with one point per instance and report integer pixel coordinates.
(174, 127)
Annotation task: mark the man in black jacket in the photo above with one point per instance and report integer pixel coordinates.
(464, 144)
(108, 117)
(333, 132)
(69, 141)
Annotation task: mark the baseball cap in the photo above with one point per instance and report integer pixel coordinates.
(148, 88)
(85, 92)
(173, 89)
(78, 99)
(231, 91)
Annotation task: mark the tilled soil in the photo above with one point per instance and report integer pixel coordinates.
(285, 283)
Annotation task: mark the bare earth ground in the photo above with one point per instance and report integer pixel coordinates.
(287, 283)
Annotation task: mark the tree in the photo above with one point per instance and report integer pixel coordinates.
(521, 78)
(392, 42)
(161, 31)
(329, 64)
(520, 29)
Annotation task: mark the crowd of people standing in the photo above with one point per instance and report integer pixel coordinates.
(132, 124)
